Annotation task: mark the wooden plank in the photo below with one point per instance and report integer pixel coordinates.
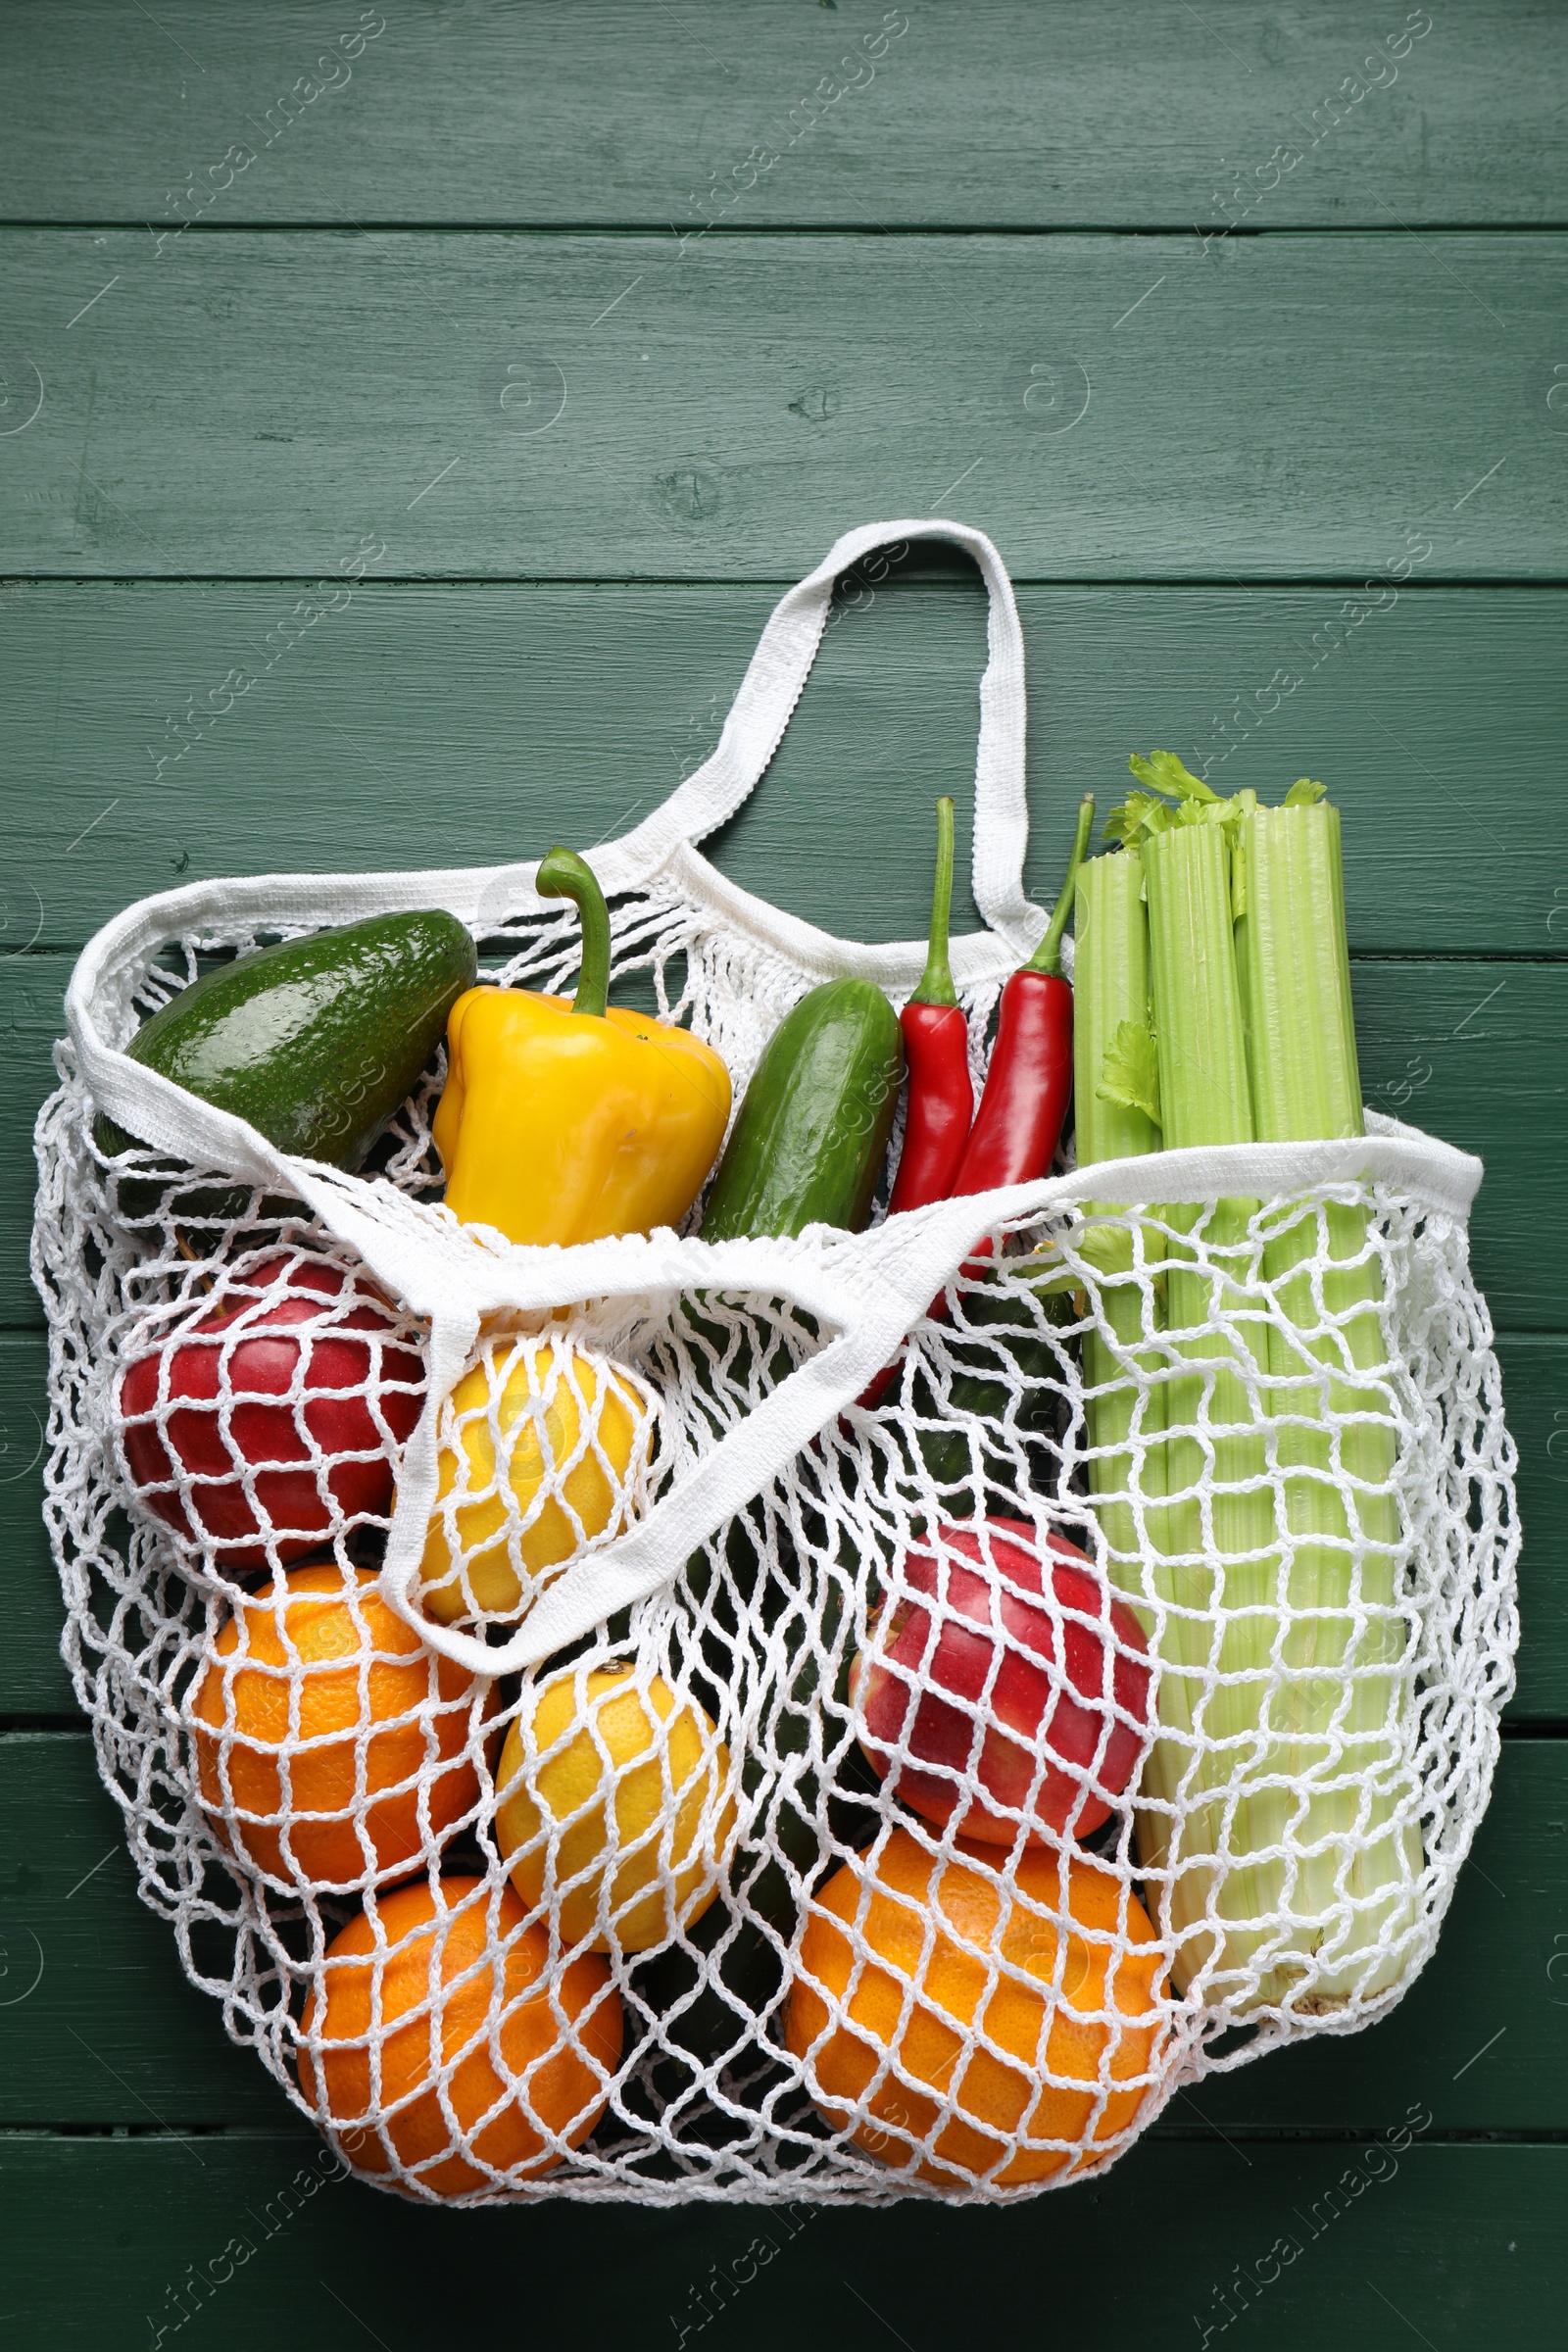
(600, 114)
(32, 989)
(33, 1682)
(1535, 1388)
(439, 725)
(97, 2022)
(1468, 1050)
(1332, 2243)
(33, 1676)
(1109, 406)
(112, 2033)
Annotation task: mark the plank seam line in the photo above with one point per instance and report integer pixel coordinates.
(907, 231)
(725, 584)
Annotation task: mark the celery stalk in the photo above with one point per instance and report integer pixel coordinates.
(1213, 1425)
(1110, 989)
(1278, 1745)
(1335, 1724)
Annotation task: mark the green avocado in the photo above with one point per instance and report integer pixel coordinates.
(314, 1043)
(813, 1132)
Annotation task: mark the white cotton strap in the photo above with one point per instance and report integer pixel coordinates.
(871, 1309)
(868, 1289)
(772, 686)
(760, 713)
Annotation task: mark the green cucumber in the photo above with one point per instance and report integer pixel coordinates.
(809, 1143)
(314, 1043)
(978, 1388)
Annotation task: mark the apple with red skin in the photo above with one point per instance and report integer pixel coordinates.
(921, 1686)
(225, 1379)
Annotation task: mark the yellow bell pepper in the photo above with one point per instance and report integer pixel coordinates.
(566, 1122)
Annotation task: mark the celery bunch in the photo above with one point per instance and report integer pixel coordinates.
(1110, 996)
(1213, 1006)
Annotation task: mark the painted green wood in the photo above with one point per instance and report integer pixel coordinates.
(1040, 118)
(1474, 1053)
(111, 2032)
(1469, 1049)
(97, 2022)
(246, 2242)
(550, 405)
(438, 725)
(1534, 1390)
(31, 988)
(33, 1676)
(33, 1682)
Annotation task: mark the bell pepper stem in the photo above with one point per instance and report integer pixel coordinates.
(566, 875)
(936, 981)
(1046, 957)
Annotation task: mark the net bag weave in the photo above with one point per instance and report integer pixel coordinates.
(575, 1835)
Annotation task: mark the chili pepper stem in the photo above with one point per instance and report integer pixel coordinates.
(1046, 957)
(566, 875)
(936, 981)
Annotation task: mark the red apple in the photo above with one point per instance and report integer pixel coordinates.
(283, 1405)
(985, 1673)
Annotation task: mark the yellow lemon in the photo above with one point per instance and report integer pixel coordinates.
(630, 1796)
(541, 1450)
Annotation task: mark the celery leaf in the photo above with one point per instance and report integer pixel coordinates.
(1137, 815)
(1163, 772)
(1303, 792)
(1130, 1072)
(1206, 813)
(1105, 1248)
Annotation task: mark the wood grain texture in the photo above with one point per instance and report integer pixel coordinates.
(110, 2029)
(443, 725)
(522, 115)
(33, 1676)
(1471, 1052)
(1467, 1052)
(152, 2050)
(1534, 1390)
(1107, 407)
(247, 2241)
(1535, 1369)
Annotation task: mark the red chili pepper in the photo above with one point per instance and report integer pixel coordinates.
(936, 1041)
(1018, 1124)
(1029, 1081)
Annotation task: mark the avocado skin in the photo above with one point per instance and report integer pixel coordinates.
(317, 1042)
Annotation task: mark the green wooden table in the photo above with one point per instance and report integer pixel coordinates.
(1242, 329)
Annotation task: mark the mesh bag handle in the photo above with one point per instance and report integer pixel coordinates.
(170, 1119)
(868, 1307)
(869, 1288)
(773, 685)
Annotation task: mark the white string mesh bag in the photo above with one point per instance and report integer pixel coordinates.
(591, 1753)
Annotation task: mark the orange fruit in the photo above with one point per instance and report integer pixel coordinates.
(911, 1912)
(429, 2001)
(280, 1777)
